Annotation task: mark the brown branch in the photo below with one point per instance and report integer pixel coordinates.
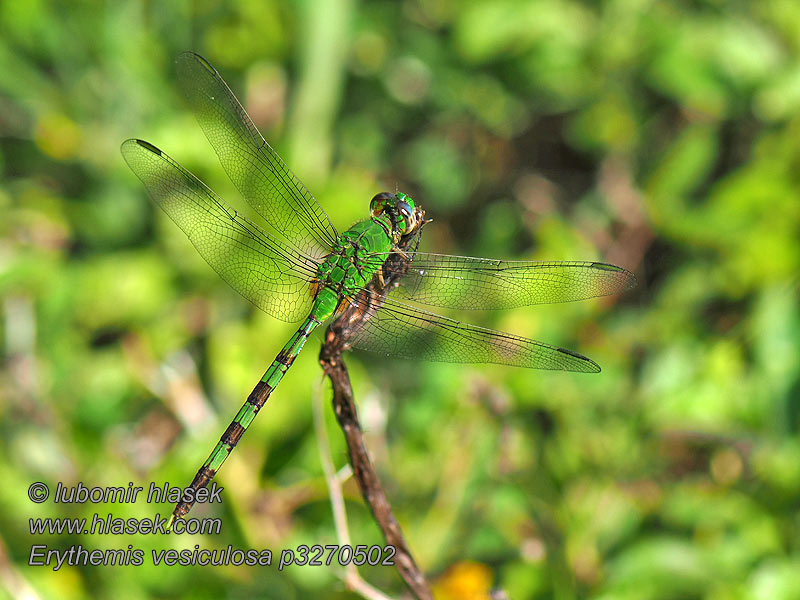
(337, 339)
(350, 576)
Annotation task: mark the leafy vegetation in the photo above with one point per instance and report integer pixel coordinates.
(660, 136)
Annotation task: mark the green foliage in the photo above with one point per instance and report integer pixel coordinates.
(660, 136)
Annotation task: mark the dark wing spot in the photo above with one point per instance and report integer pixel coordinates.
(148, 146)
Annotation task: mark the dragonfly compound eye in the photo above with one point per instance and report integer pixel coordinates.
(406, 212)
(381, 202)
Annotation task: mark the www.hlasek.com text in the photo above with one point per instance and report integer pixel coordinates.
(111, 525)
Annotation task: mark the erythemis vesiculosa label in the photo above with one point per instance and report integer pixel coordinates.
(300, 268)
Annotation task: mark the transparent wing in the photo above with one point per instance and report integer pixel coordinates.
(465, 282)
(397, 329)
(262, 269)
(254, 167)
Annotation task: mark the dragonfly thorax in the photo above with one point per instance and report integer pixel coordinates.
(352, 263)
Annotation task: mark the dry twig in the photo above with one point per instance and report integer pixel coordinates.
(337, 339)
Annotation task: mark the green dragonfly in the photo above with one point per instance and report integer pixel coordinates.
(300, 267)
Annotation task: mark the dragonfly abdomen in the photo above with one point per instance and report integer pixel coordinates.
(257, 398)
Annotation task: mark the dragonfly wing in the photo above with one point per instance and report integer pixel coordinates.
(465, 282)
(262, 269)
(254, 167)
(397, 329)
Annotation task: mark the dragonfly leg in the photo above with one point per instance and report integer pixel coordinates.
(401, 253)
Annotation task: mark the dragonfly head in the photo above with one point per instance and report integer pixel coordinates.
(399, 208)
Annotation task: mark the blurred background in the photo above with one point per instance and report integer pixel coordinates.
(662, 137)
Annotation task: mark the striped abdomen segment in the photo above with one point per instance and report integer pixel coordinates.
(248, 412)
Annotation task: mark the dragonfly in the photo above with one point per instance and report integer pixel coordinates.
(297, 267)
